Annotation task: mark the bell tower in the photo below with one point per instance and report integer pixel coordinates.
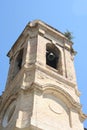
(41, 91)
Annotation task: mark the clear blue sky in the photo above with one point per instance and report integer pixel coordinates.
(61, 14)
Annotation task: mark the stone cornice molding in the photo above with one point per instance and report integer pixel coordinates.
(58, 89)
(42, 28)
(58, 77)
(48, 28)
(55, 75)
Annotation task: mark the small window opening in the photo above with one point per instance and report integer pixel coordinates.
(18, 62)
(51, 59)
(19, 59)
(52, 56)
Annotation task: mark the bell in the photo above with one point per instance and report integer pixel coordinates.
(51, 57)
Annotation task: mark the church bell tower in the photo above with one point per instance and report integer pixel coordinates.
(41, 91)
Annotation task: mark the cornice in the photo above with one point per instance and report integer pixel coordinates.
(47, 27)
(55, 75)
(58, 89)
(41, 28)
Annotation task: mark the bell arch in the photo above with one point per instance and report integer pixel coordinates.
(53, 57)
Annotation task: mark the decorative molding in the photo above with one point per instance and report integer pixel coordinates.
(71, 103)
(41, 32)
(7, 101)
(55, 75)
(8, 114)
(55, 108)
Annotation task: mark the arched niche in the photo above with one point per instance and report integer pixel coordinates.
(56, 111)
(53, 57)
(18, 62)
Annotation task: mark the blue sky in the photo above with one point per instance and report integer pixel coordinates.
(63, 15)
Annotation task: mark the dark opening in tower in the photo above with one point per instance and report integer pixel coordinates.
(52, 56)
(19, 59)
(18, 62)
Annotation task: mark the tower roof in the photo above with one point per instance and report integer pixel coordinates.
(44, 26)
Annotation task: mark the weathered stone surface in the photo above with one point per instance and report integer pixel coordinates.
(46, 98)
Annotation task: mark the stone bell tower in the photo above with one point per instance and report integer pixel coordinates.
(41, 91)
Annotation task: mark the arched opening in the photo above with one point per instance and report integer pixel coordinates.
(52, 56)
(56, 108)
(19, 59)
(18, 62)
